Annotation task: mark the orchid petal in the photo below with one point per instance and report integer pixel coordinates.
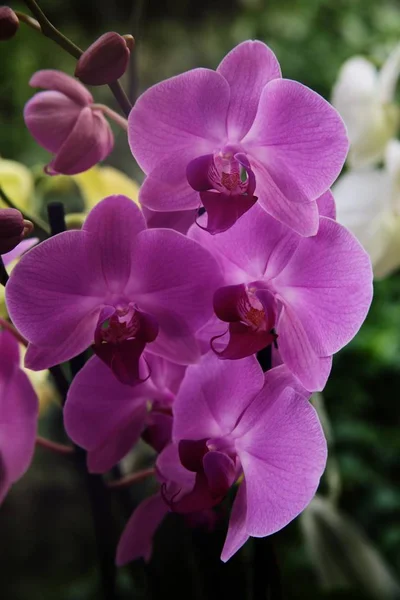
(61, 82)
(303, 132)
(283, 456)
(328, 284)
(247, 68)
(115, 222)
(217, 384)
(172, 110)
(137, 537)
(89, 142)
(64, 276)
(237, 535)
(100, 408)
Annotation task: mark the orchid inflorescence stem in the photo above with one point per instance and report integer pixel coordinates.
(49, 30)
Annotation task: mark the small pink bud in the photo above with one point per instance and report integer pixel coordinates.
(9, 23)
(67, 123)
(106, 60)
(13, 228)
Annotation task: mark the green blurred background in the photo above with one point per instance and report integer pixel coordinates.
(46, 541)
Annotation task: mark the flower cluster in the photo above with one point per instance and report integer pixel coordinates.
(237, 249)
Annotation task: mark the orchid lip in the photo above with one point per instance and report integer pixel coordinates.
(120, 338)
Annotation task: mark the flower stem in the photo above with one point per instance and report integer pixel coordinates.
(111, 114)
(54, 446)
(48, 30)
(130, 479)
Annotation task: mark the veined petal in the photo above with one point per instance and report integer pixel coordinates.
(66, 284)
(328, 284)
(283, 457)
(280, 196)
(247, 68)
(303, 132)
(298, 353)
(99, 407)
(185, 113)
(326, 205)
(166, 187)
(171, 273)
(212, 396)
(102, 458)
(245, 252)
(19, 413)
(115, 223)
(176, 340)
(237, 534)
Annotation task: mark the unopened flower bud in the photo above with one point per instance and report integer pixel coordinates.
(105, 61)
(9, 23)
(13, 228)
(64, 121)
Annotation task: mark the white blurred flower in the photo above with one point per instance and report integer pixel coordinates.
(364, 97)
(368, 203)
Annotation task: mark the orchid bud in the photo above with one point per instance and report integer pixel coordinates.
(64, 121)
(13, 228)
(9, 23)
(106, 60)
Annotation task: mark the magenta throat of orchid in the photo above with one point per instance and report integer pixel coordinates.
(251, 314)
(226, 184)
(120, 338)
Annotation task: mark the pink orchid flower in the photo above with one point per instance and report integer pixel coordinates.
(117, 286)
(19, 414)
(64, 122)
(228, 138)
(307, 296)
(233, 424)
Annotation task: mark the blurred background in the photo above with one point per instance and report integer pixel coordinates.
(347, 544)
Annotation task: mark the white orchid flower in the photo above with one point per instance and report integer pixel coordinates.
(368, 203)
(364, 97)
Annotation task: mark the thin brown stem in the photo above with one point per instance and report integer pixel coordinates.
(54, 446)
(131, 479)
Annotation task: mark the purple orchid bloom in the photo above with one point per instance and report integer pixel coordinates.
(106, 417)
(227, 138)
(309, 296)
(233, 424)
(19, 414)
(64, 121)
(116, 285)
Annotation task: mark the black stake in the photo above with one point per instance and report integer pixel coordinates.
(99, 495)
